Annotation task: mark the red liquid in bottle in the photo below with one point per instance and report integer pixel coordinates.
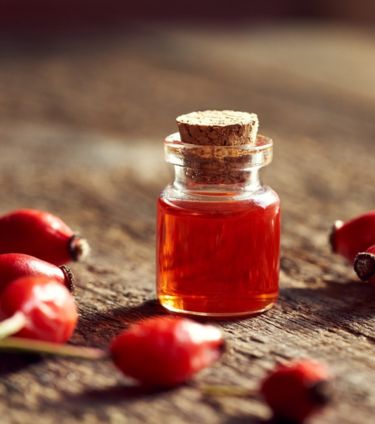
(219, 257)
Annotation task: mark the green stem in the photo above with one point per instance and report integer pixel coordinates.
(221, 390)
(12, 325)
(17, 344)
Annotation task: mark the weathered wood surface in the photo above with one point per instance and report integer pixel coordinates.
(81, 124)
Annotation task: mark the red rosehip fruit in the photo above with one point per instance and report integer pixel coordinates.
(17, 265)
(42, 235)
(48, 308)
(166, 351)
(296, 390)
(354, 236)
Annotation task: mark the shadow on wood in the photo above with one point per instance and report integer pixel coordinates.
(113, 394)
(11, 362)
(246, 419)
(100, 327)
(335, 306)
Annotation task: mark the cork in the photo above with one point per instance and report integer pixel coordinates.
(218, 128)
(218, 136)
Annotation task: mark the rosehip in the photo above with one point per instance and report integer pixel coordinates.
(48, 309)
(166, 351)
(40, 234)
(17, 265)
(354, 236)
(364, 265)
(297, 390)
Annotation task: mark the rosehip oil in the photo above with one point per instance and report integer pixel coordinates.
(218, 226)
(219, 257)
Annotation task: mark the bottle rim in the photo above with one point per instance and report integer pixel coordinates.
(241, 157)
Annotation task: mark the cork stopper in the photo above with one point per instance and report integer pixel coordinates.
(221, 139)
(218, 128)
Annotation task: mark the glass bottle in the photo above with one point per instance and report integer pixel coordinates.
(218, 231)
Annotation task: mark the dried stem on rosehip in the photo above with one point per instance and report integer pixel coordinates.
(79, 248)
(321, 393)
(69, 277)
(364, 265)
(17, 344)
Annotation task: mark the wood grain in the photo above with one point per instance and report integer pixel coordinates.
(81, 129)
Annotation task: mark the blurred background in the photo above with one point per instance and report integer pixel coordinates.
(96, 85)
(131, 67)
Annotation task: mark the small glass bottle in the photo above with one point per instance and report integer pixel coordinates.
(218, 229)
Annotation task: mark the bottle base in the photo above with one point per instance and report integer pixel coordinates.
(171, 306)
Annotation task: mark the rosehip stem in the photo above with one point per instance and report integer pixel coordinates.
(12, 325)
(364, 265)
(17, 344)
(79, 248)
(221, 390)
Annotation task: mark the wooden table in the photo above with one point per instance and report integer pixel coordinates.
(82, 121)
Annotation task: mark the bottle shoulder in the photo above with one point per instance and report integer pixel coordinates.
(262, 196)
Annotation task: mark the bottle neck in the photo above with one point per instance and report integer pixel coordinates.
(216, 171)
(189, 181)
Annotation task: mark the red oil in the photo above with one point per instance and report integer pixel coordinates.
(218, 258)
